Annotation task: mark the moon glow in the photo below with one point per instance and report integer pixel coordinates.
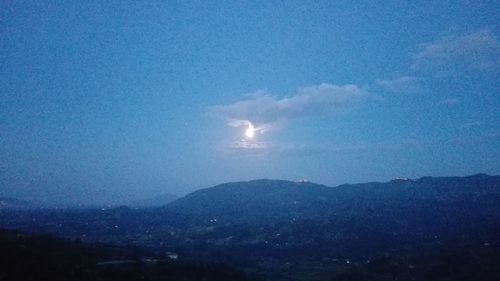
(250, 133)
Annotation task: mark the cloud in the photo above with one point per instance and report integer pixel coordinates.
(449, 102)
(404, 84)
(478, 50)
(450, 56)
(472, 124)
(245, 144)
(287, 149)
(267, 112)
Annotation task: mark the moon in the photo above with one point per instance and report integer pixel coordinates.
(250, 132)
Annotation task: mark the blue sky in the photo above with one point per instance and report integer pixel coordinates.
(120, 100)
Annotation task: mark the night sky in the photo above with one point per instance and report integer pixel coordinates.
(122, 100)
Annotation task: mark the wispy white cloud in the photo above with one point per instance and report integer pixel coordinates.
(245, 144)
(472, 124)
(403, 84)
(266, 111)
(479, 50)
(476, 51)
(265, 149)
(449, 101)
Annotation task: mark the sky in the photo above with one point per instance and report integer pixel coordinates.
(107, 101)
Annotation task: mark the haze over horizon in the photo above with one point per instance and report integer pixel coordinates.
(124, 100)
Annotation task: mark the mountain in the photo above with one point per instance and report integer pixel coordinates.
(283, 229)
(261, 201)
(249, 201)
(157, 201)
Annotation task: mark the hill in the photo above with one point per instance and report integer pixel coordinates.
(262, 201)
(35, 257)
(250, 201)
(156, 201)
(282, 229)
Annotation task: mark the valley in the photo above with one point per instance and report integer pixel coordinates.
(280, 230)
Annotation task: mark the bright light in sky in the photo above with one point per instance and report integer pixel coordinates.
(250, 132)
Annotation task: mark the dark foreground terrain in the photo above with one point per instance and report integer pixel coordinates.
(34, 257)
(423, 229)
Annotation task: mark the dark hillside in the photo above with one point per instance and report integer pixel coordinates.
(31, 257)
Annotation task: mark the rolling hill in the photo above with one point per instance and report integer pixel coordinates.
(281, 228)
(262, 201)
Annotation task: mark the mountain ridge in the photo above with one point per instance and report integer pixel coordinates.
(265, 199)
(155, 201)
(259, 224)
(306, 183)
